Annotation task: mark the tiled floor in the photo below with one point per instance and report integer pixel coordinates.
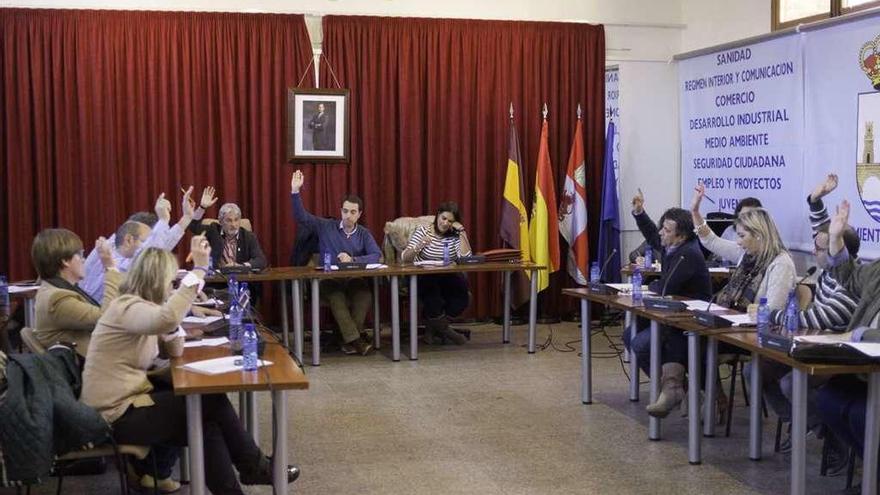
(487, 418)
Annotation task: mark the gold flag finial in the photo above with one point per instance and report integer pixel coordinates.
(544, 112)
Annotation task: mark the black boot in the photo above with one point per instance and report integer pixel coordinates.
(261, 473)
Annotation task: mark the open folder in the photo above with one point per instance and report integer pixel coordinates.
(217, 366)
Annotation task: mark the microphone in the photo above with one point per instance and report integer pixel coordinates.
(597, 286)
(661, 303)
(665, 283)
(607, 260)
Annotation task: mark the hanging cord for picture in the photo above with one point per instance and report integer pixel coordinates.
(332, 73)
(305, 72)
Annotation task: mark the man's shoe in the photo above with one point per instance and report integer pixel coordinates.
(168, 485)
(263, 476)
(362, 348)
(349, 349)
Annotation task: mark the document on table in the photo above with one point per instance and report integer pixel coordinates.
(209, 303)
(697, 305)
(742, 320)
(369, 266)
(202, 320)
(207, 342)
(18, 289)
(627, 288)
(217, 366)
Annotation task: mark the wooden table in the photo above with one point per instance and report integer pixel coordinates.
(744, 338)
(716, 274)
(296, 275)
(282, 375)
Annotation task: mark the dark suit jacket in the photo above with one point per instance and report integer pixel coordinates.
(249, 250)
(691, 278)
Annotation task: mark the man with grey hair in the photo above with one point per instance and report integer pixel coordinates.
(231, 244)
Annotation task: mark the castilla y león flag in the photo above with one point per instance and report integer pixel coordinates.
(573, 210)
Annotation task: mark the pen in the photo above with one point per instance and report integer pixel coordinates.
(707, 197)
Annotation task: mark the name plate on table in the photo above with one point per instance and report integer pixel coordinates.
(352, 266)
(664, 304)
(711, 320)
(472, 260)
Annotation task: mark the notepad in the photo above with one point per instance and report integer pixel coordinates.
(207, 342)
(217, 366)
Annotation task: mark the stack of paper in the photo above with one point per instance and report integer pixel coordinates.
(220, 365)
(202, 320)
(207, 342)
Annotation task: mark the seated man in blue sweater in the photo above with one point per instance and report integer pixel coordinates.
(345, 241)
(684, 274)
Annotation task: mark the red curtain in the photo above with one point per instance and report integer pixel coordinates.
(429, 105)
(103, 110)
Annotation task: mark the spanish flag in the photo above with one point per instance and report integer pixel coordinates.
(544, 226)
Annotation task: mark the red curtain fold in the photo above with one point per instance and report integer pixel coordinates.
(429, 105)
(103, 110)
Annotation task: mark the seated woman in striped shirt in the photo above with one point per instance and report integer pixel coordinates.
(443, 295)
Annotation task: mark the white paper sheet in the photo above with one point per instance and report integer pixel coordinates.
(207, 342)
(204, 321)
(719, 269)
(742, 320)
(697, 305)
(209, 303)
(217, 366)
(18, 289)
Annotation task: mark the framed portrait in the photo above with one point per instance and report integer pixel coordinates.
(317, 125)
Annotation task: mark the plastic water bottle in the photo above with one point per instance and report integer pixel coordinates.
(792, 322)
(232, 287)
(249, 347)
(637, 286)
(327, 262)
(445, 253)
(763, 320)
(4, 297)
(595, 272)
(649, 258)
(235, 317)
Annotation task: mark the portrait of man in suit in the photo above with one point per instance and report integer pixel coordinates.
(322, 126)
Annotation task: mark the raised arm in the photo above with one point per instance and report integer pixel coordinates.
(818, 213)
(299, 211)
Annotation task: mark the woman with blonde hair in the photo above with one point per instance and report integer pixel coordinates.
(145, 317)
(64, 312)
(765, 267)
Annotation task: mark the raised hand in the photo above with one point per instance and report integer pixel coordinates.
(163, 208)
(208, 198)
(105, 252)
(638, 202)
(699, 192)
(200, 250)
(836, 228)
(187, 205)
(824, 187)
(296, 182)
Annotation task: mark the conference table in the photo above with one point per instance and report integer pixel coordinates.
(743, 338)
(717, 274)
(299, 274)
(279, 377)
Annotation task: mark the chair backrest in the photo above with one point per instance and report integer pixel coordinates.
(27, 335)
(718, 221)
(398, 232)
(305, 245)
(245, 223)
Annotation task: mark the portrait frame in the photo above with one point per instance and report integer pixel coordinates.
(318, 125)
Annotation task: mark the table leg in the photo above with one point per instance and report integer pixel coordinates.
(505, 328)
(872, 436)
(413, 317)
(654, 423)
(586, 358)
(694, 438)
(533, 311)
(316, 323)
(377, 320)
(285, 327)
(798, 432)
(633, 363)
(626, 323)
(755, 418)
(296, 299)
(711, 387)
(395, 319)
(196, 445)
(279, 462)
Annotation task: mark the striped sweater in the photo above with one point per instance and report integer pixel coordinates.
(832, 307)
(434, 250)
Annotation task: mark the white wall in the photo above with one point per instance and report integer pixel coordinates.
(713, 22)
